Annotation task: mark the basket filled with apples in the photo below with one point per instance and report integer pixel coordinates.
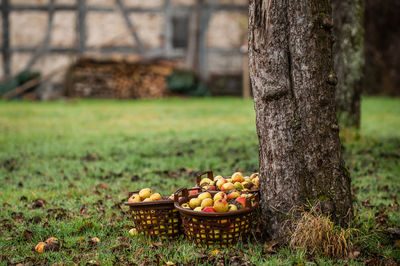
(236, 181)
(216, 218)
(153, 214)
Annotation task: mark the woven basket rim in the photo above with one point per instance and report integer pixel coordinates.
(177, 204)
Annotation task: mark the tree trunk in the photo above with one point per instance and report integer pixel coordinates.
(382, 42)
(291, 69)
(348, 51)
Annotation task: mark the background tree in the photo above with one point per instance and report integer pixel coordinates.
(382, 41)
(348, 50)
(291, 69)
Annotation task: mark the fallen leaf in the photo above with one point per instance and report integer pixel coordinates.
(102, 186)
(269, 247)
(28, 235)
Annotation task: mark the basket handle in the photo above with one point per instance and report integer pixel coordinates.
(209, 175)
(184, 192)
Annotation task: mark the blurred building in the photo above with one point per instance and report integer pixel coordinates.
(204, 36)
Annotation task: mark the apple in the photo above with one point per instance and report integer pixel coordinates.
(247, 185)
(238, 186)
(156, 196)
(133, 232)
(227, 187)
(221, 205)
(212, 188)
(209, 209)
(206, 202)
(185, 205)
(234, 195)
(195, 191)
(254, 175)
(204, 195)
(195, 202)
(220, 182)
(51, 239)
(237, 177)
(147, 200)
(197, 209)
(220, 195)
(216, 178)
(134, 198)
(229, 180)
(40, 247)
(205, 181)
(232, 207)
(145, 193)
(255, 181)
(242, 200)
(95, 240)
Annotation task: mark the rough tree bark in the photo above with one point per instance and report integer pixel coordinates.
(291, 69)
(348, 51)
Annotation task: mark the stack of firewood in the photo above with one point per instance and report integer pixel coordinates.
(89, 78)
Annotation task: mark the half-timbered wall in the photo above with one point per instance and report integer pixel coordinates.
(46, 34)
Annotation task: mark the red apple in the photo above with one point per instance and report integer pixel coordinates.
(242, 200)
(209, 209)
(212, 188)
(195, 191)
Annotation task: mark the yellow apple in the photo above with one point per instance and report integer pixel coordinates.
(221, 205)
(205, 181)
(185, 205)
(156, 196)
(204, 195)
(237, 177)
(145, 193)
(227, 186)
(133, 232)
(220, 182)
(219, 195)
(195, 202)
(232, 207)
(206, 202)
(216, 178)
(134, 198)
(197, 209)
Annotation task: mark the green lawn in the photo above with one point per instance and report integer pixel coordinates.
(60, 151)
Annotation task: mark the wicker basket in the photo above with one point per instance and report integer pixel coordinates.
(215, 229)
(156, 218)
(210, 175)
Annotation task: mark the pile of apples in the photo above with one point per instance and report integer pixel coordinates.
(221, 202)
(236, 182)
(144, 196)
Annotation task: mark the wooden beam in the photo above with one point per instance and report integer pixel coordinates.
(205, 19)
(131, 28)
(6, 38)
(81, 25)
(42, 49)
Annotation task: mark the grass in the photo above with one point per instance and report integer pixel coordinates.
(60, 152)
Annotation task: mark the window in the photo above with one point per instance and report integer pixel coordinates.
(180, 31)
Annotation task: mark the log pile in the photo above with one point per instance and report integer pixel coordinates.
(89, 78)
